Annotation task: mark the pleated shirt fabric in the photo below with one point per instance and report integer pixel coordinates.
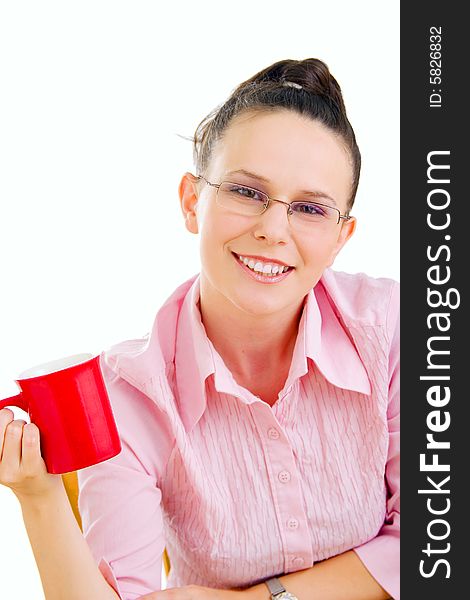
(237, 490)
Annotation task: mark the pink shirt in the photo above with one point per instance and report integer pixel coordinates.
(239, 491)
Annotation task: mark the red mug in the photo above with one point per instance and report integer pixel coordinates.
(68, 401)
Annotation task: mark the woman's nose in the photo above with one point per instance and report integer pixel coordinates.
(273, 223)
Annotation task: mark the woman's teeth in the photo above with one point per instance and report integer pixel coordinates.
(260, 267)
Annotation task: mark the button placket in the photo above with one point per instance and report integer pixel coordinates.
(285, 486)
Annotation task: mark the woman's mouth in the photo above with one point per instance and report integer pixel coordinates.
(263, 272)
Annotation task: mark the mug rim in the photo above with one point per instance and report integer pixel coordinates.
(54, 366)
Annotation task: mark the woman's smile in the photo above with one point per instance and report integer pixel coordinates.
(261, 271)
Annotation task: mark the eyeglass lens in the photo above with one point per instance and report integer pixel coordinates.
(246, 200)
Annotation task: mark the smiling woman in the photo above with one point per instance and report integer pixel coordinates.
(303, 155)
(259, 420)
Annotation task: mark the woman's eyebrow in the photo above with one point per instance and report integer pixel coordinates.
(315, 194)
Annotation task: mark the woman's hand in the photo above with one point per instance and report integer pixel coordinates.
(22, 467)
(195, 592)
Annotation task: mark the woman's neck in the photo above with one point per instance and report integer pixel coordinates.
(248, 344)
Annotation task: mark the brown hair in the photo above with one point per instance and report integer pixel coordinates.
(319, 97)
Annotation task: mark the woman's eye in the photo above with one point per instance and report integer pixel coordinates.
(247, 192)
(308, 208)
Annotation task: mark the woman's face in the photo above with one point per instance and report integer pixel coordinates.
(292, 154)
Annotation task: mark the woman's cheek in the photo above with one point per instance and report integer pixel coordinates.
(321, 253)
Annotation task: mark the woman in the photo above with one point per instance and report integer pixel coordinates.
(259, 419)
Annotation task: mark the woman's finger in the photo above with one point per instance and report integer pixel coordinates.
(6, 416)
(31, 459)
(11, 457)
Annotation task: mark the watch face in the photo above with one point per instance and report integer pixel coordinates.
(285, 596)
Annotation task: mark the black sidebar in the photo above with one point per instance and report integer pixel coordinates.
(435, 259)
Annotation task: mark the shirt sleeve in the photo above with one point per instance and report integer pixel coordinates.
(381, 555)
(119, 499)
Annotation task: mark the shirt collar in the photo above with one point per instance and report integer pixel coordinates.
(193, 359)
(321, 337)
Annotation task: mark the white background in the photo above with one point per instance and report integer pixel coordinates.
(94, 96)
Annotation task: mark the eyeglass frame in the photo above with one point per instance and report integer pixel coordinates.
(346, 217)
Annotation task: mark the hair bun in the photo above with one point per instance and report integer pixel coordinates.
(311, 74)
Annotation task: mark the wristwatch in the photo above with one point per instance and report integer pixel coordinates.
(278, 591)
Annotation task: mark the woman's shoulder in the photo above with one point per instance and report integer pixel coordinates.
(363, 299)
(143, 367)
(150, 355)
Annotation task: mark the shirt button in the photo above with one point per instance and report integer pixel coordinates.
(298, 561)
(284, 476)
(292, 523)
(273, 433)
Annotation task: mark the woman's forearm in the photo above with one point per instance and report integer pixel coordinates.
(65, 562)
(342, 577)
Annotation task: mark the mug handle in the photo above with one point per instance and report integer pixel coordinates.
(19, 400)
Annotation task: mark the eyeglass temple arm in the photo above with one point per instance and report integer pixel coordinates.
(208, 182)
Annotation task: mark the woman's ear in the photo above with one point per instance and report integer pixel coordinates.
(189, 197)
(347, 229)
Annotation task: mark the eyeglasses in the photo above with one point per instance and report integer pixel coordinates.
(245, 200)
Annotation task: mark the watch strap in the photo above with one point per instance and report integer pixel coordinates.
(275, 586)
